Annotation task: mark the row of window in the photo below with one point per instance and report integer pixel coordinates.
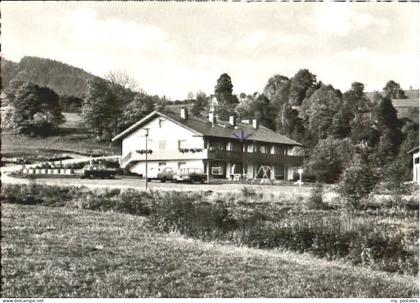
(180, 165)
(181, 144)
(250, 148)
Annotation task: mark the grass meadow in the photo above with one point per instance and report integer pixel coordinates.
(72, 138)
(71, 252)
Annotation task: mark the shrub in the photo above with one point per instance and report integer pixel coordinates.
(191, 216)
(248, 192)
(395, 176)
(357, 182)
(130, 201)
(316, 201)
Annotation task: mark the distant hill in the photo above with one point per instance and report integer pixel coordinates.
(64, 79)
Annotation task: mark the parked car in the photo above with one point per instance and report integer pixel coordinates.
(98, 171)
(165, 174)
(191, 175)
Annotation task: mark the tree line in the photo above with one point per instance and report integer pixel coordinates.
(334, 127)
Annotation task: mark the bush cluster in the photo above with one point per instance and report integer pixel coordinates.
(128, 201)
(246, 219)
(359, 241)
(79, 165)
(191, 215)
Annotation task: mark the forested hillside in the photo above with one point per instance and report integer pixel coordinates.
(64, 79)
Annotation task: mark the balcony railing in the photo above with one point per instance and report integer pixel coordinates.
(254, 157)
(216, 155)
(134, 156)
(126, 159)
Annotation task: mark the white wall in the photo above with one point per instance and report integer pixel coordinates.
(416, 168)
(250, 170)
(153, 166)
(169, 132)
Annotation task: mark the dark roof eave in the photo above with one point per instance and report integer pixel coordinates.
(250, 140)
(413, 150)
(133, 127)
(138, 124)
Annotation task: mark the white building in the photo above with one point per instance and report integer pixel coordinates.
(416, 166)
(181, 140)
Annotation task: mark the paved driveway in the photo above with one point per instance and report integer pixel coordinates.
(136, 183)
(131, 182)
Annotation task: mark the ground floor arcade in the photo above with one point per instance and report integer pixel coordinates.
(217, 169)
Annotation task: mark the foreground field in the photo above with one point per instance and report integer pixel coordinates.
(61, 252)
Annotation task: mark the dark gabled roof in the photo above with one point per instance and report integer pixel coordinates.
(221, 129)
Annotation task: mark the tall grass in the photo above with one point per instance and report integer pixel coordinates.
(384, 239)
(63, 252)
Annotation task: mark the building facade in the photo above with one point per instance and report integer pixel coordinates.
(416, 165)
(221, 149)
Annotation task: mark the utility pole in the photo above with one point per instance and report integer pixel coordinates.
(147, 151)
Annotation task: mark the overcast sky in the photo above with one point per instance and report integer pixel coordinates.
(174, 48)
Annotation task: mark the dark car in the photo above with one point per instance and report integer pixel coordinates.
(191, 175)
(98, 171)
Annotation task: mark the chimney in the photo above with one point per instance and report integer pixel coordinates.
(232, 120)
(212, 118)
(184, 113)
(255, 123)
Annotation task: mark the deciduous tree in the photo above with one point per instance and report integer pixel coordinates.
(200, 104)
(32, 110)
(392, 90)
(328, 159)
(299, 84)
(101, 109)
(320, 109)
(141, 106)
(226, 100)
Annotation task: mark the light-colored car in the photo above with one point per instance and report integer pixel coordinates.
(190, 175)
(165, 174)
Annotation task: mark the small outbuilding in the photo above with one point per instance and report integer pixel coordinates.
(416, 166)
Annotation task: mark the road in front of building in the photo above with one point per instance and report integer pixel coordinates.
(124, 182)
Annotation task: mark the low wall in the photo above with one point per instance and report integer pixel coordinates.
(47, 171)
